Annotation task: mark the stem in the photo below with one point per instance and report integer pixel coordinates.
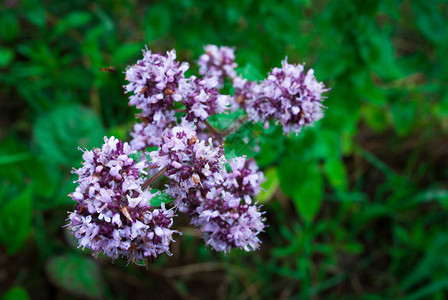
(153, 178)
(214, 131)
(238, 122)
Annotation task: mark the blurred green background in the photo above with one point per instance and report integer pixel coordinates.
(356, 205)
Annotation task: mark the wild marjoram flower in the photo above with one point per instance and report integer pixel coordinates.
(218, 62)
(201, 98)
(155, 83)
(227, 216)
(289, 96)
(194, 166)
(113, 213)
(217, 201)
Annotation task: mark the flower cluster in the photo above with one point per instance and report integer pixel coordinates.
(288, 95)
(244, 89)
(227, 216)
(146, 135)
(218, 202)
(244, 179)
(227, 223)
(201, 98)
(218, 62)
(192, 164)
(113, 214)
(154, 80)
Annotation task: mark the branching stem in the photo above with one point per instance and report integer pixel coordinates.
(214, 131)
(153, 178)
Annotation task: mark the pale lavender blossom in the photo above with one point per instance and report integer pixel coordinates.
(243, 180)
(244, 90)
(193, 165)
(201, 98)
(289, 96)
(113, 214)
(227, 223)
(150, 134)
(154, 81)
(218, 62)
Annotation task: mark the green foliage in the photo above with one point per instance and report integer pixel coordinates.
(16, 293)
(356, 205)
(59, 133)
(15, 220)
(77, 275)
(242, 142)
(269, 186)
(302, 180)
(161, 198)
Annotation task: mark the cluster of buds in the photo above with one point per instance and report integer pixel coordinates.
(114, 214)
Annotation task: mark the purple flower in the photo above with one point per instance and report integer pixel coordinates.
(244, 89)
(201, 98)
(244, 179)
(227, 223)
(218, 62)
(150, 134)
(192, 165)
(154, 80)
(288, 95)
(113, 214)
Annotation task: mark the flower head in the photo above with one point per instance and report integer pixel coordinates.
(227, 223)
(150, 134)
(113, 214)
(154, 80)
(218, 62)
(244, 90)
(192, 165)
(244, 179)
(201, 98)
(290, 96)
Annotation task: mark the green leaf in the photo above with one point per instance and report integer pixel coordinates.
(13, 158)
(330, 65)
(433, 259)
(15, 220)
(251, 72)
(157, 22)
(160, 198)
(59, 134)
(429, 290)
(431, 21)
(336, 174)
(9, 26)
(76, 274)
(6, 57)
(404, 116)
(378, 53)
(126, 52)
(73, 20)
(270, 186)
(35, 13)
(241, 142)
(303, 181)
(375, 117)
(16, 293)
(272, 146)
